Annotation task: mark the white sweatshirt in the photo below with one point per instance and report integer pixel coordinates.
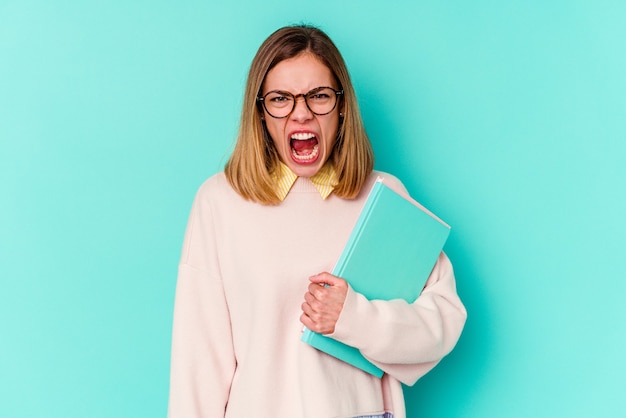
(244, 270)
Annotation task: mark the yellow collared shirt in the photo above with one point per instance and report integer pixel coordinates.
(324, 180)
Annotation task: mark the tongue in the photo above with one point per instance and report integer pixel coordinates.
(303, 145)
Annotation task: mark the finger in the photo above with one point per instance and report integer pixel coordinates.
(315, 327)
(307, 322)
(309, 297)
(307, 310)
(316, 291)
(313, 320)
(314, 307)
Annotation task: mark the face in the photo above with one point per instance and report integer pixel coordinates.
(303, 139)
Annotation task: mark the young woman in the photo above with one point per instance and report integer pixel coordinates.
(261, 239)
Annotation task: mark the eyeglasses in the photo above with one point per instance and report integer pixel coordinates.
(321, 101)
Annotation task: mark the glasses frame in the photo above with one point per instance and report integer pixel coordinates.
(295, 97)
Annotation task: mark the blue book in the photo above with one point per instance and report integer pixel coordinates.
(395, 238)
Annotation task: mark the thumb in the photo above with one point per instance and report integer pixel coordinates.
(325, 279)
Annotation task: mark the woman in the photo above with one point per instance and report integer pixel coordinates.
(266, 231)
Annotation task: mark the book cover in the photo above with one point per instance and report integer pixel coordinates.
(389, 255)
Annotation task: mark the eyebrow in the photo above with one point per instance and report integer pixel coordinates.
(297, 94)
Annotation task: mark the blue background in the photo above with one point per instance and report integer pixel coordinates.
(505, 118)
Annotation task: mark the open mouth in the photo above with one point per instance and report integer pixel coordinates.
(304, 147)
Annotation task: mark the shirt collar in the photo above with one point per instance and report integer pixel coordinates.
(324, 180)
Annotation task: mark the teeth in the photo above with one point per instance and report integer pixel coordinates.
(308, 157)
(302, 136)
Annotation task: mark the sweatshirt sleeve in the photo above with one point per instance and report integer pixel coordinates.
(406, 340)
(202, 359)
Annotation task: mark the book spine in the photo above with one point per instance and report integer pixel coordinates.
(358, 228)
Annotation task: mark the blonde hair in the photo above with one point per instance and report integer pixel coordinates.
(254, 158)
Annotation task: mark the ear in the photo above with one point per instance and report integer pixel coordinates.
(261, 111)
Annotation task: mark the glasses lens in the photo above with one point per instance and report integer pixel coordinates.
(321, 101)
(278, 104)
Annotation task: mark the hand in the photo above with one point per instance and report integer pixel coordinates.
(323, 303)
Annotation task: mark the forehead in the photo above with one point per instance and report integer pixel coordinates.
(299, 75)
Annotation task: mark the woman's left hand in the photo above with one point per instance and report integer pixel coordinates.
(323, 303)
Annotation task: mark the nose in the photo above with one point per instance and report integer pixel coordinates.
(301, 111)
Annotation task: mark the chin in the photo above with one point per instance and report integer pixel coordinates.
(305, 170)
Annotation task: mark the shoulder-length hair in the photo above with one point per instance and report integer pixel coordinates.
(254, 158)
